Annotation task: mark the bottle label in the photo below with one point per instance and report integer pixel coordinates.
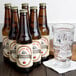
(5, 46)
(45, 46)
(24, 55)
(12, 48)
(36, 46)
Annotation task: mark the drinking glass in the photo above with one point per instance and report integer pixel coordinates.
(63, 36)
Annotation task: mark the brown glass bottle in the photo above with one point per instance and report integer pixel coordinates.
(5, 31)
(13, 34)
(36, 36)
(26, 6)
(24, 44)
(44, 31)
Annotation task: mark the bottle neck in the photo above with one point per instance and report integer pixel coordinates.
(14, 24)
(43, 16)
(33, 19)
(34, 24)
(27, 8)
(7, 20)
(43, 21)
(24, 26)
(14, 19)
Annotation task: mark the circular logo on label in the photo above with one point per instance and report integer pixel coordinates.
(13, 45)
(44, 46)
(23, 50)
(36, 45)
(44, 41)
(36, 51)
(25, 54)
(5, 40)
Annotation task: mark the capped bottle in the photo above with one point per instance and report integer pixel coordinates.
(36, 36)
(44, 31)
(26, 6)
(24, 44)
(5, 31)
(13, 34)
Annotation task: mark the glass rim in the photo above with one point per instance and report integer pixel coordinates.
(63, 25)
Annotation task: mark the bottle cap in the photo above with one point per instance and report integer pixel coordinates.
(7, 4)
(14, 7)
(23, 11)
(42, 4)
(33, 7)
(25, 4)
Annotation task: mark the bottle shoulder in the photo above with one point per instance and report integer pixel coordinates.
(12, 34)
(5, 31)
(35, 34)
(24, 39)
(44, 30)
(36, 37)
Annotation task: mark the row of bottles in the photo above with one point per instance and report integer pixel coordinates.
(25, 39)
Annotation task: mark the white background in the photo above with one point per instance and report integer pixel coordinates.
(58, 11)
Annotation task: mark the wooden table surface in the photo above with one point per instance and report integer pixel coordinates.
(7, 70)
